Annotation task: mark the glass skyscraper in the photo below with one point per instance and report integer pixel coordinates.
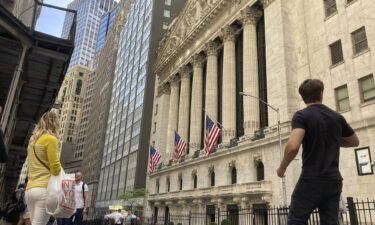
(124, 161)
(106, 23)
(89, 13)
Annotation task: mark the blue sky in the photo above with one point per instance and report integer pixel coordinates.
(51, 20)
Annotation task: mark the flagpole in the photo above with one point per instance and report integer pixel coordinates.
(277, 110)
(214, 119)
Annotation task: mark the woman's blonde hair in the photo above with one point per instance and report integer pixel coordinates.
(49, 124)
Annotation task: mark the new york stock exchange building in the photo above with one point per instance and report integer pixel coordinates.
(215, 49)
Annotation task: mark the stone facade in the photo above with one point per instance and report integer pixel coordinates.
(70, 99)
(276, 44)
(23, 10)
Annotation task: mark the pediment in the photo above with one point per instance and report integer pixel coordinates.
(191, 16)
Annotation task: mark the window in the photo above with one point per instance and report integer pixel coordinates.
(156, 109)
(167, 13)
(165, 25)
(234, 175)
(342, 98)
(367, 88)
(359, 40)
(330, 7)
(212, 178)
(154, 128)
(195, 181)
(168, 185)
(180, 183)
(336, 52)
(157, 186)
(260, 171)
(80, 74)
(349, 1)
(168, 2)
(79, 87)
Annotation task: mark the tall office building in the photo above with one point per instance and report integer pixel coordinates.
(106, 23)
(89, 13)
(124, 160)
(97, 101)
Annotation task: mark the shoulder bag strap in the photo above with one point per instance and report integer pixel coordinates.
(40, 160)
(83, 194)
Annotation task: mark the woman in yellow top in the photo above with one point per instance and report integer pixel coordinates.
(43, 161)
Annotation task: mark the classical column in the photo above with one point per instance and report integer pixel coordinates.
(164, 93)
(212, 80)
(229, 85)
(250, 70)
(173, 113)
(244, 206)
(196, 104)
(199, 206)
(184, 108)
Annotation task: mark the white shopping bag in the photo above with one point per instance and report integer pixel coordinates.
(60, 201)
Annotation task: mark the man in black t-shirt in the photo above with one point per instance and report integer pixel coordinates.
(322, 132)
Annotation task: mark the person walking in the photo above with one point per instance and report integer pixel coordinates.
(118, 217)
(3, 150)
(321, 131)
(43, 161)
(21, 206)
(20, 193)
(81, 197)
(10, 215)
(132, 219)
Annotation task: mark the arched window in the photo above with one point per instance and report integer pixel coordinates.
(195, 181)
(212, 178)
(79, 87)
(234, 175)
(260, 171)
(168, 185)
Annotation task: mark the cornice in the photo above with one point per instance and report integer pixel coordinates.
(194, 17)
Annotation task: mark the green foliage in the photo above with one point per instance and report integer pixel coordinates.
(132, 194)
(213, 223)
(170, 223)
(131, 197)
(179, 224)
(225, 222)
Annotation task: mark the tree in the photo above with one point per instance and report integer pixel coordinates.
(132, 197)
(225, 222)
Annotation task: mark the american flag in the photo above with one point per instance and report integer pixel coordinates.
(211, 135)
(180, 146)
(154, 159)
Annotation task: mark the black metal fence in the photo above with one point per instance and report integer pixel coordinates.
(357, 213)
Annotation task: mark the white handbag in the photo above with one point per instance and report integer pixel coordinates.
(60, 201)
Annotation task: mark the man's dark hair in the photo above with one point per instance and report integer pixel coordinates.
(311, 90)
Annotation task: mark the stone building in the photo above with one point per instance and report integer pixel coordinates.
(216, 49)
(70, 100)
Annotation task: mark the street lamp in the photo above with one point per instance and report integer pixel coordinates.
(277, 110)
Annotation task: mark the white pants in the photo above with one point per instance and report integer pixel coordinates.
(36, 204)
